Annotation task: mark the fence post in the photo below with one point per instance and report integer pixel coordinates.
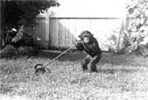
(123, 30)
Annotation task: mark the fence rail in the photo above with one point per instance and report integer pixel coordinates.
(85, 18)
(63, 31)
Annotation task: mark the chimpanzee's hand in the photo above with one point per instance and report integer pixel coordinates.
(79, 44)
(80, 41)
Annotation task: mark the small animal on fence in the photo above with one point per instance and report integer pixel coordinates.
(89, 44)
(40, 69)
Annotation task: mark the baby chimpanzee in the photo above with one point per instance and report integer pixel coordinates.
(90, 45)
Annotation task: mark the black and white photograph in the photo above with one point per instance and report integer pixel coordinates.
(74, 50)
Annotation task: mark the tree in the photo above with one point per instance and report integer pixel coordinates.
(16, 13)
(23, 12)
(137, 31)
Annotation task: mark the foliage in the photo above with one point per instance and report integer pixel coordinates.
(19, 38)
(21, 13)
(8, 51)
(18, 43)
(18, 35)
(16, 13)
(26, 50)
(137, 31)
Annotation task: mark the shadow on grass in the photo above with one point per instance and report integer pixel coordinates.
(107, 58)
(127, 60)
(116, 59)
(109, 63)
(123, 70)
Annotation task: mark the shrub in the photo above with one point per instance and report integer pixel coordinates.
(19, 38)
(8, 51)
(136, 33)
(26, 50)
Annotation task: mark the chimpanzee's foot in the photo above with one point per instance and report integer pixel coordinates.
(85, 70)
(94, 71)
(84, 67)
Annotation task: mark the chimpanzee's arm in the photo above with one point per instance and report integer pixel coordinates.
(92, 48)
(79, 45)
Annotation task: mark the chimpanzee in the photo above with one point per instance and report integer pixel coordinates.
(90, 45)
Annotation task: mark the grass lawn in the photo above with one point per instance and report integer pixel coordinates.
(120, 77)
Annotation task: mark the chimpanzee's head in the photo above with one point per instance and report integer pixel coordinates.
(86, 36)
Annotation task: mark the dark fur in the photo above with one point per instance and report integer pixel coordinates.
(79, 45)
(92, 49)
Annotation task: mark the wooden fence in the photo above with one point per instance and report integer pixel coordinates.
(63, 31)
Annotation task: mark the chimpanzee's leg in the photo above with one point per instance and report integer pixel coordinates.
(93, 63)
(85, 62)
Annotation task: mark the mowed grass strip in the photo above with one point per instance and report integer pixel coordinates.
(120, 77)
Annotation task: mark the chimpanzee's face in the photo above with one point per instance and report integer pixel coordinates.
(86, 36)
(86, 39)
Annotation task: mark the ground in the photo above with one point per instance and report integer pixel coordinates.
(120, 77)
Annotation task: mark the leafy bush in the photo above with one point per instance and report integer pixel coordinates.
(16, 13)
(8, 51)
(137, 31)
(26, 50)
(19, 38)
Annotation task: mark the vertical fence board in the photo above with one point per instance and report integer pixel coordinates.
(64, 31)
(56, 43)
(69, 28)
